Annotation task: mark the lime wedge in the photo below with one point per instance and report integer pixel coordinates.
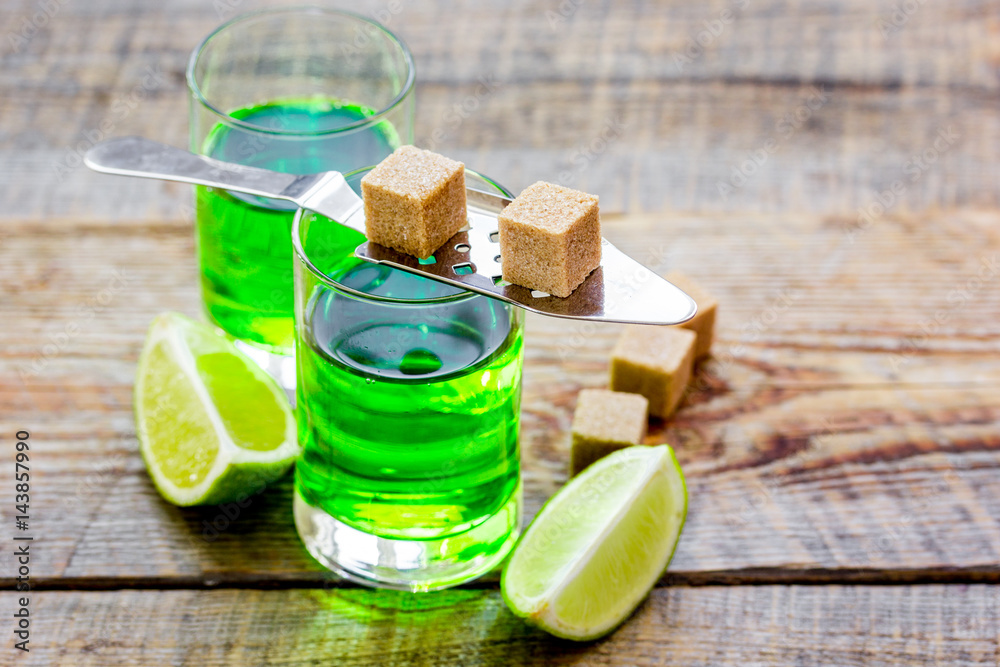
(213, 426)
(598, 546)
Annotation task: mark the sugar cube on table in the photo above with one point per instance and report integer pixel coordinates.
(414, 201)
(656, 362)
(550, 238)
(703, 324)
(604, 422)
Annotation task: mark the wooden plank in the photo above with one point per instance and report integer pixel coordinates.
(644, 147)
(818, 273)
(554, 95)
(828, 625)
(904, 505)
(829, 435)
(811, 40)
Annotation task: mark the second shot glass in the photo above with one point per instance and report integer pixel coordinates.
(297, 91)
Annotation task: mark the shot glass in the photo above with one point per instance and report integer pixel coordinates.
(408, 403)
(298, 91)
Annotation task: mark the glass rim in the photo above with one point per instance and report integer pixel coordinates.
(321, 276)
(199, 95)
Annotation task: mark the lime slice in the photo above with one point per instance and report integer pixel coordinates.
(598, 546)
(213, 426)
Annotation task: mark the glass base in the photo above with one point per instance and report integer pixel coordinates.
(281, 367)
(412, 565)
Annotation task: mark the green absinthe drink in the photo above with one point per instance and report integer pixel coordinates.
(244, 242)
(408, 408)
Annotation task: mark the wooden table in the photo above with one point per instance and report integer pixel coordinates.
(842, 448)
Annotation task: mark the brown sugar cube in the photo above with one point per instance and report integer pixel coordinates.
(703, 323)
(655, 362)
(604, 422)
(414, 201)
(550, 238)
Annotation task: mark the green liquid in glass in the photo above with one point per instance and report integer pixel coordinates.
(244, 242)
(408, 416)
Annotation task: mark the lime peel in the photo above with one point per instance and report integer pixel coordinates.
(186, 443)
(599, 545)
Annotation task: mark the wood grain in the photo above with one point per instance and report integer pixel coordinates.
(844, 431)
(828, 437)
(808, 625)
(555, 91)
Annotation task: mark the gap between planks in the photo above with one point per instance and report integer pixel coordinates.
(742, 577)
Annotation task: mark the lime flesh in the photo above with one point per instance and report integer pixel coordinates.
(598, 546)
(213, 427)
